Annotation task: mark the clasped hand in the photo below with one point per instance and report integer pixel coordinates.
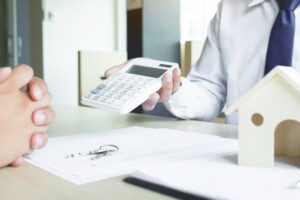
(26, 114)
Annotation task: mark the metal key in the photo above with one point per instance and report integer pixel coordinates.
(104, 150)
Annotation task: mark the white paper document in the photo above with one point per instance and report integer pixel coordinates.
(198, 164)
(219, 177)
(138, 147)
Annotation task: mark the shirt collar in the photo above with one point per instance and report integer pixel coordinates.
(255, 2)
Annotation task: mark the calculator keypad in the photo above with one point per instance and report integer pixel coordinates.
(119, 89)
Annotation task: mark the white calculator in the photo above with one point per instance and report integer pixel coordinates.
(128, 88)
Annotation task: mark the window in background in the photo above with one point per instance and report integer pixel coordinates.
(194, 21)
(195, 18)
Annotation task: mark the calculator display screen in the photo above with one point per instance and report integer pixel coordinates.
(146, 71)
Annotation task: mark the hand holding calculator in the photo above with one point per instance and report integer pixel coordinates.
(130, 87)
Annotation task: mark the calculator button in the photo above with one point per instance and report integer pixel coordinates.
(126, 97)
(96, 98)
(124, 101)
(139, 88)
(103, 100)
(116, 90)
(109, 94)
(123, 92)
(88, 96)
(122, 85)
(95, 91)
(108, 89)
(129, 87)
(118, 97)
(112, 102)
(113, 84)
(132, 93)
(103, 93)
(100, 87)
(119, 103)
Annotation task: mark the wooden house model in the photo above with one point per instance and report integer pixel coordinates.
(269, 119)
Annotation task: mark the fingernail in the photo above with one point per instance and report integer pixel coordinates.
(37, 93)
(38, 142)
(148, 106)
(152, 102)
(18, 162)
(169, 78)
(39, 118)
(178, 72)
(5, 68)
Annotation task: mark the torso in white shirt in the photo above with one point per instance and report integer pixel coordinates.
(233, 59)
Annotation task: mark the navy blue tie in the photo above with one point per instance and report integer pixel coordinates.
(281, 43)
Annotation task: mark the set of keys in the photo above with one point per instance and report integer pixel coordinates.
(104, 150)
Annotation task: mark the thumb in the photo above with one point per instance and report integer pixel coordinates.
(4, 73)
(114, 69)
(151, 102)
(17, 163)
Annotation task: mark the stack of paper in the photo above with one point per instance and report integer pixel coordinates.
(219, 177)
(139, 147)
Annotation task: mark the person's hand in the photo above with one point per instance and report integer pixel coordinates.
(43, 116)
(171, 84)
(37, 89)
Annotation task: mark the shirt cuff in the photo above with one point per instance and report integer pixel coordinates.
(191, 101)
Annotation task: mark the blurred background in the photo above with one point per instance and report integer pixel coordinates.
(70, 43)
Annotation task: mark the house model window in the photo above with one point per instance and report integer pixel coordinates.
(257, 119)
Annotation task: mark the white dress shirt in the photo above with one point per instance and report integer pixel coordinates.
(232, 61)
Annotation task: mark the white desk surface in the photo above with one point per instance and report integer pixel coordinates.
(29, 182)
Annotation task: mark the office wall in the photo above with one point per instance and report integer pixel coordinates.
(23, 31)
(161, 29)
(72, 25)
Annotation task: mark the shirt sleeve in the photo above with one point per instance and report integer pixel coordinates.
(203, 93)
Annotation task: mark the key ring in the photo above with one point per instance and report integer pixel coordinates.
(109, 147)
(104, 150)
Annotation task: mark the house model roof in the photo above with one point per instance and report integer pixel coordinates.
(290, 75)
